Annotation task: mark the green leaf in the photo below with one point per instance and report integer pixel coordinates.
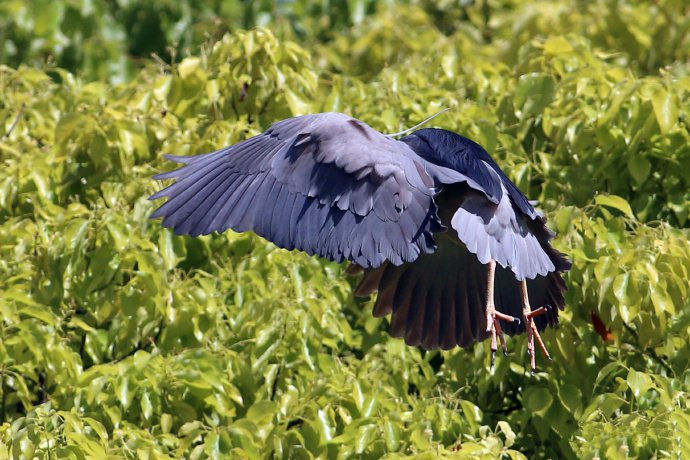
(166, 423)
(537, 399)
(123, 392)
(365, 435)
(146, 407)
(262, 412)
(639, 383)
(326, 429)
(391, 433)
(472, 414)
(533, 93)
(507, 432)
(605, 404)
(40, 313)
(639, 167)
(662, 301)
(615, 202)
(665, 109)
(557, 45)
(620, 289)
(570, 396)
(188, 66)
(297, 105)
(97, 427)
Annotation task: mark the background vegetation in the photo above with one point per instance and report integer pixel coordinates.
(121, 340)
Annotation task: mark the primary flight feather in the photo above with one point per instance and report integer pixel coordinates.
(456, 252)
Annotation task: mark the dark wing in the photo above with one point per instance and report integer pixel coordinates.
(326, 184)
(439, 301)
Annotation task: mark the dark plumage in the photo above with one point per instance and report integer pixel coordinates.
(422, 216)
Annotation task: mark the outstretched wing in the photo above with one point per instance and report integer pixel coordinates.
(327, 184)
(440, 300)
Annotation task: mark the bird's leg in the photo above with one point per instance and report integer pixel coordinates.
(531, 327)
(492, 325)
(492, 316)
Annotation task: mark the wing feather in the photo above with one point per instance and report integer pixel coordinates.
(447, 332)
(439, 300)
(205, 225)
(326, 184)
(431, 337)
(500, 232)
(202, 203)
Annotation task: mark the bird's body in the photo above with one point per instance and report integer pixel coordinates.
(423, 216)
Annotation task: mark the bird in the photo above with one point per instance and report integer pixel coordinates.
(456, 252)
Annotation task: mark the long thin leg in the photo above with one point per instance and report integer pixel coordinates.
(493, 316)
(531, 327)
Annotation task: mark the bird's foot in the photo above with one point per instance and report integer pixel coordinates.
(493, 326)
(533, 333)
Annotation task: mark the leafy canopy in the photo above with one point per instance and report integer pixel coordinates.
(121, 340)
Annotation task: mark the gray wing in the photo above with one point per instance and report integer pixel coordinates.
(440, 300)
(326, 184)
(502, 232)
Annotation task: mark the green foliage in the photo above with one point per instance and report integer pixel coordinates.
(108, 40)
(121, 340)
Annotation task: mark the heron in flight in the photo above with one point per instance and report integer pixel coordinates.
(456, 252)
